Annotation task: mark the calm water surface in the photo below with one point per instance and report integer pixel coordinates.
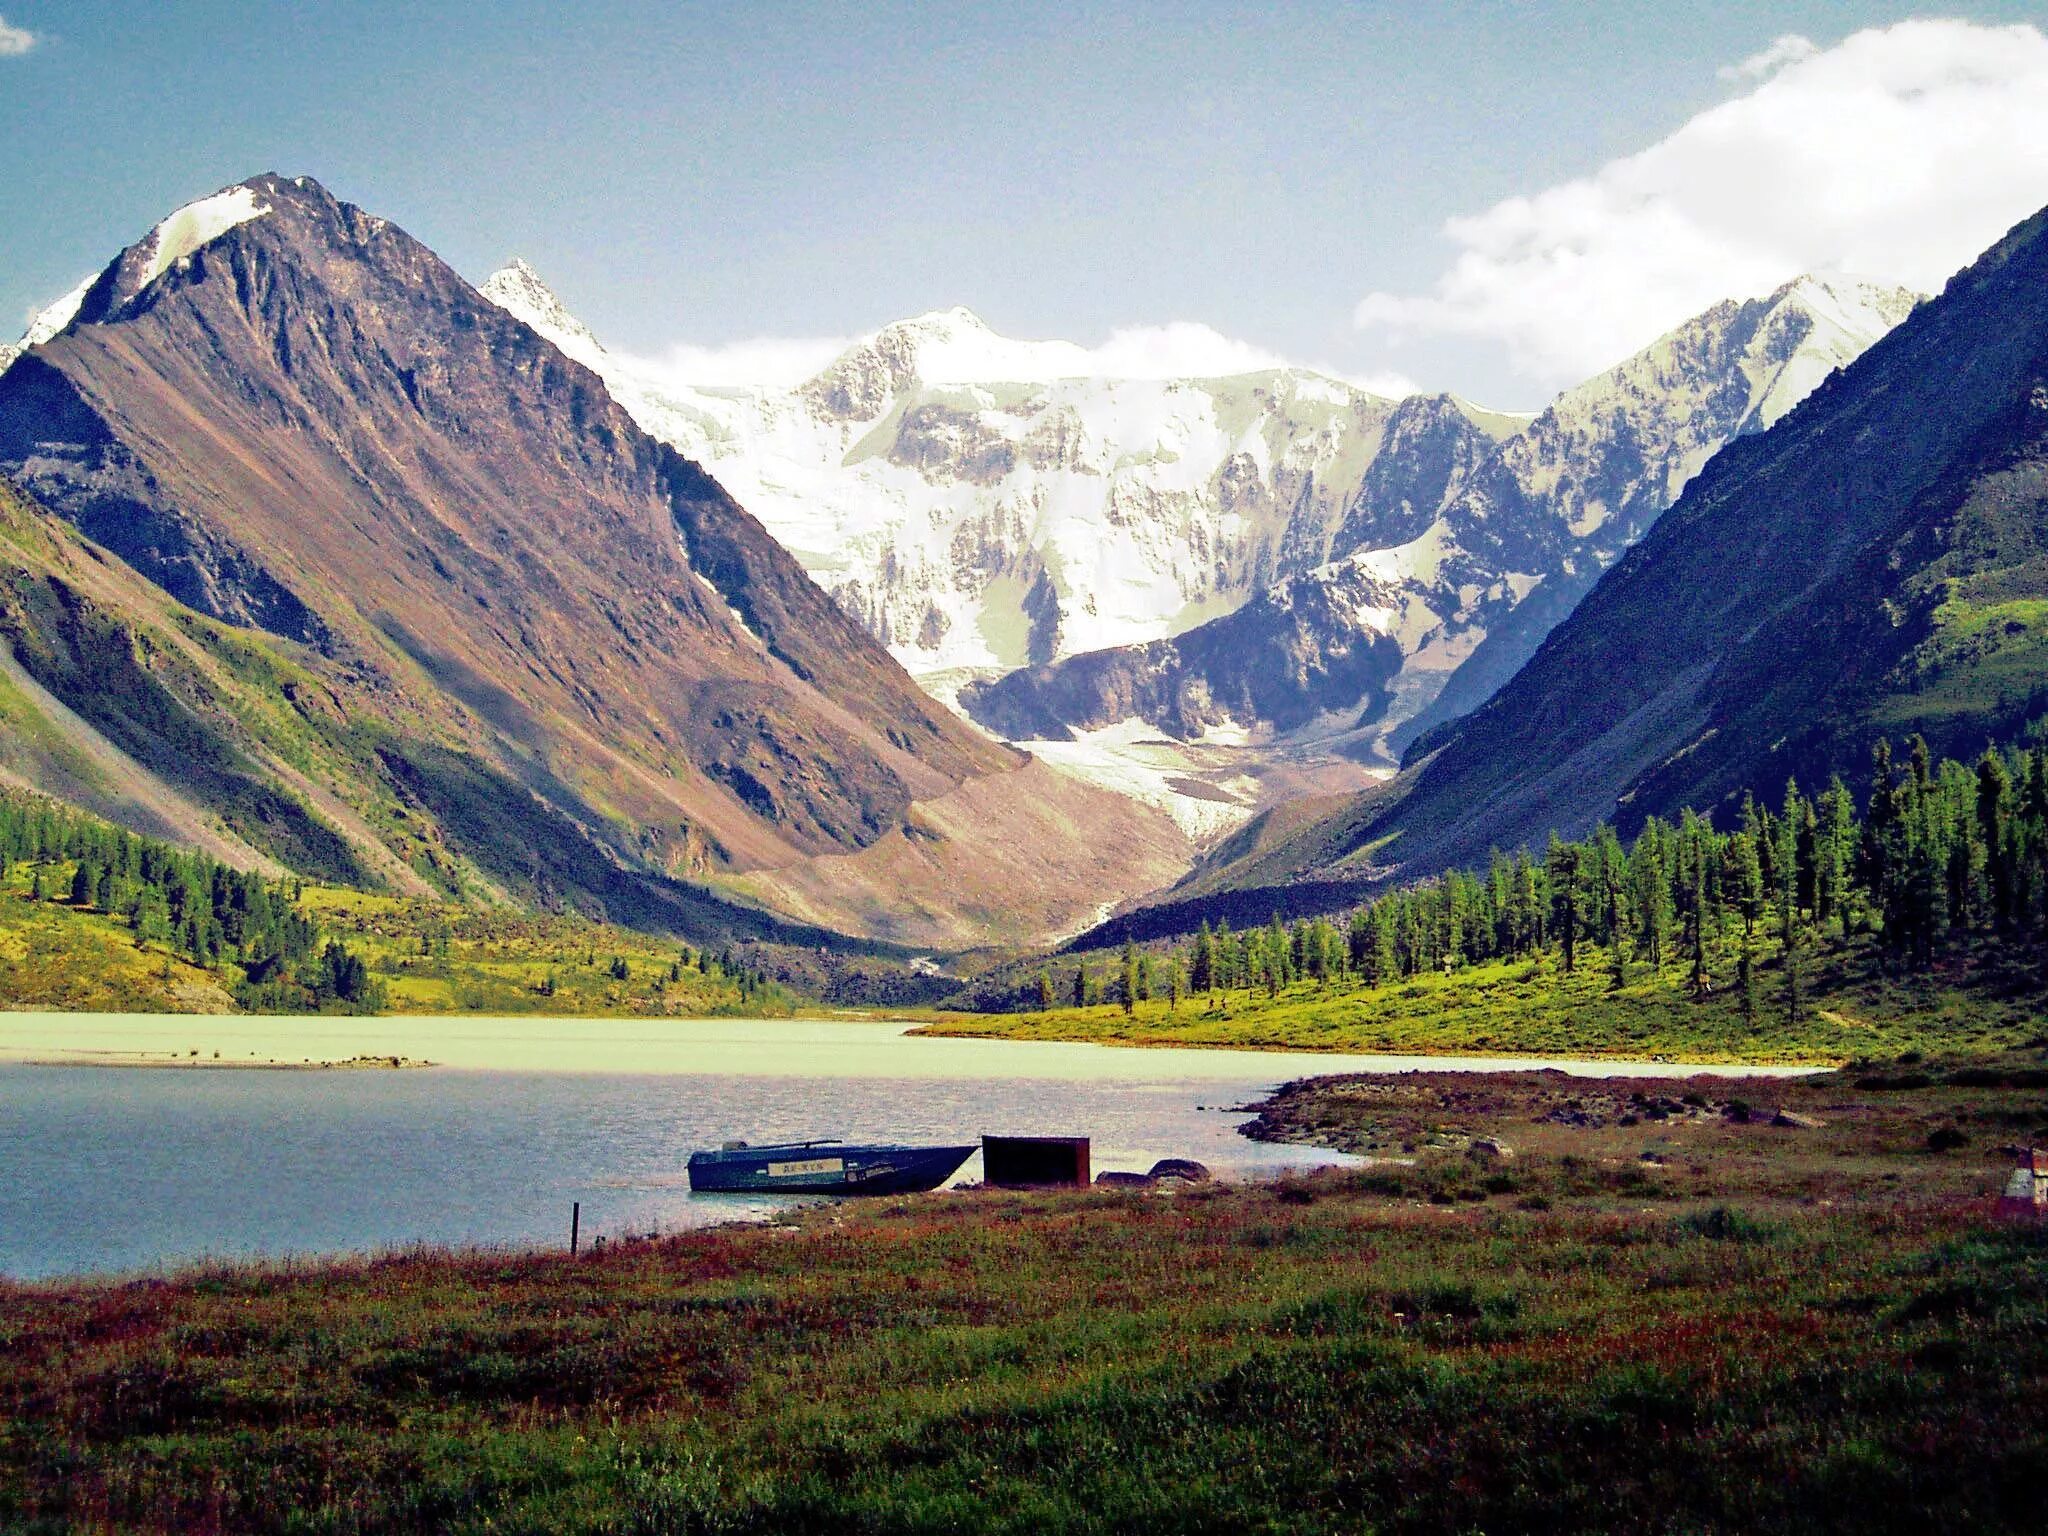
(105, 1169)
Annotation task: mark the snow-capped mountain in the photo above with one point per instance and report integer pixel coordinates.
(1211, 592)
(1601, 464)
(1460, 549)
(527, 649)
(982, 503)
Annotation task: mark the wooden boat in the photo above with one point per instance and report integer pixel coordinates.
(823, 1168)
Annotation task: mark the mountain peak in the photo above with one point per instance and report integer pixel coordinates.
(1862, 305)
(519, 290)
(956, 321)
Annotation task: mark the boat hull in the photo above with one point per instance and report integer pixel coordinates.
(825, 1170)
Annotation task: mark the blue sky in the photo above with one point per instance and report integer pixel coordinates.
(698, 174)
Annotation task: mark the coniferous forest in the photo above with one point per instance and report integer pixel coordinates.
(206, 913)
(1929, 860)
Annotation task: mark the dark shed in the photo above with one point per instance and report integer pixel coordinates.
(1034, 1162)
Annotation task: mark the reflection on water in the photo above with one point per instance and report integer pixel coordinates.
(106, 1169)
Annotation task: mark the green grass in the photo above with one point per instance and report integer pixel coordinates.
(438, 958)
(433, 958)
(55, 958)
(1980, 1001)
(1766, 1330)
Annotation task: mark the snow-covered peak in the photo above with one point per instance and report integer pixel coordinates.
(1818, 323)
(49, 321)
(518, 290)
(53, 318)
(196, 225)
(955, 346)
(1856, 305)
(948, 346)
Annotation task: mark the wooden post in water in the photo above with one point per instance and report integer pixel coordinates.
(575, 1223)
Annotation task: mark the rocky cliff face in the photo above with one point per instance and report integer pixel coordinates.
(295, 419)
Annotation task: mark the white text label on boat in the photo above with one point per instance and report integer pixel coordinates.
(812, 1165)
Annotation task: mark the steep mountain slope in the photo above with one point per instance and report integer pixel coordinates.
(294, 418)
(1460, 552)
(1875, 564)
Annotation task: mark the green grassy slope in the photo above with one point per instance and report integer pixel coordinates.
(1981, 999)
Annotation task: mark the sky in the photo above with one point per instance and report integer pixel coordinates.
(1498, 199)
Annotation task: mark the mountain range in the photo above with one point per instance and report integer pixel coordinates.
(322, 559)
(1218, 593)
(449, 619)
(1873, 566)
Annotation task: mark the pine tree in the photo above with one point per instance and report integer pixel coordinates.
(1693, 858)
(1994, 789)
(1562, 863)
(1128, 994)
(1045, 991)
(1081, 986)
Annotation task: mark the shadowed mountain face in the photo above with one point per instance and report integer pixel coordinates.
(295, 419)
(1874, 565)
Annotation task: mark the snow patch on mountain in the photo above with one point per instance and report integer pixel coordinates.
(196, 225)
(1132, 758)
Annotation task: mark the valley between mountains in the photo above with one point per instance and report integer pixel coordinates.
(324, 565)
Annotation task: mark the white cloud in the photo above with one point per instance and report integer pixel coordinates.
(1789, 49)
(1178, 349)
(1901, 152)
(15, 41)
(771, 361)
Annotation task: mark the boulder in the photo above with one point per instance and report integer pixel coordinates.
(1112, 1179)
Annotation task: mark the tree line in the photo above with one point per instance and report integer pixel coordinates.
(185, 904)
(1934, 856)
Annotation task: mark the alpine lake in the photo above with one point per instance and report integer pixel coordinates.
(144, 1143)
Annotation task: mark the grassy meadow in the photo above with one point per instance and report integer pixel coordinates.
(430, 958)
(1980, 999)
(1651, 1313)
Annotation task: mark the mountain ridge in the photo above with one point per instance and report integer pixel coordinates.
(1874, 566)
(1459, 532)
(295, 419)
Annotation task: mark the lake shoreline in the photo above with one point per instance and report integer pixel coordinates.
(176, 1062)
(1570, 1283)
(524, 1042)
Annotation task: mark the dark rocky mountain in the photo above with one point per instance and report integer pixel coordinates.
(1874, 565)
(1294, 651)
(527, 620)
